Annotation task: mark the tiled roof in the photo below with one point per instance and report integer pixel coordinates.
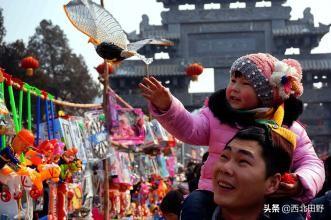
(299, 29)
(320, 64)
(154, 32)
(182, 2)
(154, 69)
(161, 69)
(160, 34)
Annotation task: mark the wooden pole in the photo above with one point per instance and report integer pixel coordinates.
(105, 161)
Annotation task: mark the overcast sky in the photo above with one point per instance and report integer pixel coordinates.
(22, 17)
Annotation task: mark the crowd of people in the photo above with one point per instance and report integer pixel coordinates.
(261, 164)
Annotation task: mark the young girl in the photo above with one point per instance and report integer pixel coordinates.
(260, 87)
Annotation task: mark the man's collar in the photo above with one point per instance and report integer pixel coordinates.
(217, 215)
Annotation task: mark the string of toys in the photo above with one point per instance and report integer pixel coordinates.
(61, 156)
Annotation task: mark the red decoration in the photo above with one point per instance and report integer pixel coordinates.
(171, 141)
(194, 70)
(35, 193)
(18, 195)
(29, 63)
(288, 178)
(101, 68)
(5, 195)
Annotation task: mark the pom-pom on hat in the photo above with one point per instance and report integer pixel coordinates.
(273, 80)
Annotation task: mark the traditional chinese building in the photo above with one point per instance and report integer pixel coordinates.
(216, 37)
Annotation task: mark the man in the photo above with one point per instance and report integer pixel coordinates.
(249, 170)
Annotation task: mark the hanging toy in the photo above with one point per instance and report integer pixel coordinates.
(49, 172)
(5, 195)
(61, 201)
(57, 151)
(162, 189)
(106, 34)
(13, 182)
(52, 200)
(33, 158)
(20, 144)
(22, 141)
(47, 149)
(69, 164)
(35, 193)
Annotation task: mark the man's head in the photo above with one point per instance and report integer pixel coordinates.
(250, 168)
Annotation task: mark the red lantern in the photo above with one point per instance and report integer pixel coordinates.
(101, 68)
(29, 63)
(194, 70)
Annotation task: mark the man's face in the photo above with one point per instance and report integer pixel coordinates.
(240, 176)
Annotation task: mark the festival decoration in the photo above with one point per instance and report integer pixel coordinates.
(6, 123)
(61, 208)
(97, 134)
(22, 141)
(29, 63)
(130, 129)
(63, 146)
(101, 68)
(194, 70)
(105, 32)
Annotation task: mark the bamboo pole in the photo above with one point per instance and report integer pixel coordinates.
(105, 161)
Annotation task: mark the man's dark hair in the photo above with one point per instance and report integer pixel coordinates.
(277, 152)
(172, 202)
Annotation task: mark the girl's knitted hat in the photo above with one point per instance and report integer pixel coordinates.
(273, 80)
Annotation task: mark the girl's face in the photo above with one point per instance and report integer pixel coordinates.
(240, 94)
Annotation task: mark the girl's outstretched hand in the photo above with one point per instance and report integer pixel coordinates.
(156, 93)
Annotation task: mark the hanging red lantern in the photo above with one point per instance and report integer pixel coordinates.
(101, 68)
(29, 63)
(194, 70)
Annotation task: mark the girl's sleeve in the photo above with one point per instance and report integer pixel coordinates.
(307, 165)
(190, 128)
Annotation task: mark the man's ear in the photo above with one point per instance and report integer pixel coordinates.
(272, 184)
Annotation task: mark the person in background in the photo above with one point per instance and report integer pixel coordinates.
(171, 205)
(323, 200)
(194, 181)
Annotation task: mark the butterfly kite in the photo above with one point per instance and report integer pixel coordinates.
(105, 33)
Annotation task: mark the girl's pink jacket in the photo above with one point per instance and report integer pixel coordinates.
(205, 130)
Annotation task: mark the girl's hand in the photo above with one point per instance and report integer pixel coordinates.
(156, 93)
(288, 189)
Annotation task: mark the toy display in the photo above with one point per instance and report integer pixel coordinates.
(51, 166)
